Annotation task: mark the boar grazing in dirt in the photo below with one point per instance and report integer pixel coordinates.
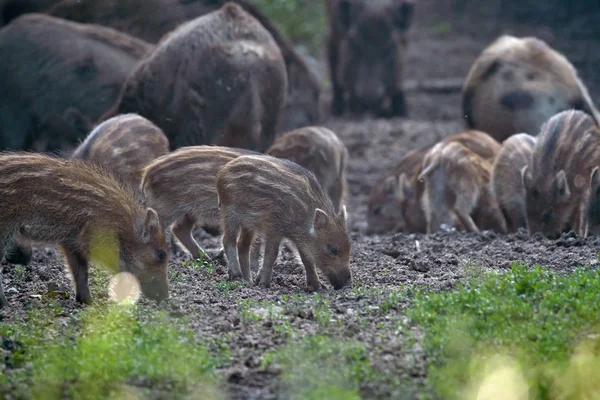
(278, 199)
(57, 78)
(151, 19)
(84, 210)
(218, 79)
(507, 182)
(558, 181)
(124, 144)
(181, 187)
(366, 50)
(517, 84)
(395, 202)
(457, 185)
(319, 150)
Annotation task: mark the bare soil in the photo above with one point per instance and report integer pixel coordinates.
(443, 45)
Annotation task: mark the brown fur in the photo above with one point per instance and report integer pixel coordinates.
(319, 150)
(395, 202)
(218, 79)
(181, 187)
(457, 184)
(124, 144)
(73, 204)
(58, 77)
(367, 48)
(516, 84)
(507, 183)
(557, 181)
(278, 199)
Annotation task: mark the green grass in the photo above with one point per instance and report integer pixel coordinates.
(103, 353)
(526, 330)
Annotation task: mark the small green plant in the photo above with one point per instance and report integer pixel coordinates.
(20, 272)
(225, 286)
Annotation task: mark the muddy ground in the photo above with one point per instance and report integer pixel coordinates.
(443, 45)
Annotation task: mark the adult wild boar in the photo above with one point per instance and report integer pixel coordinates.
(58, 77)
(218, 79)
(366, 49)
(150, 20)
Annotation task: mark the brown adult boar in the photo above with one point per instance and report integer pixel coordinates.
(457, 186)
(58, 77)
(84, 210)
(367, 49)
(395, 202)
(558, 179)
(218, 79)
(151, 19)
(517, 84)
(278, 199)
(507, 182)
(125, 144)
(181, 187)
(319, 150)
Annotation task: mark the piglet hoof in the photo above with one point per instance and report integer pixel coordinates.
(235, 276)
(260, 282)
(219, 259)
(84, 299)
(314, 286)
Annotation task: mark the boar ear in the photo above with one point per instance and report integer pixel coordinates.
(150, 227)
(405, 190)
(561, 185)
(525, 176)
(390, 184)
(320, 219)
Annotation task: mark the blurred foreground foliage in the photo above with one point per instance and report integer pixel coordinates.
(527, 334)
(101, 353)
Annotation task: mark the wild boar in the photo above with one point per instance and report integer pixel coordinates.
(124, 144)
(366, 49)
(278, 199)
(395, 202)
(517, 84)
(57, 78)
(507, 182)
(218, 79)
(84, 210)
(558, 181)
(457, 188)
(150, 20)
(181, 187)
(319, 150)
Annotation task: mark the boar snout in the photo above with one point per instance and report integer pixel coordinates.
(341, 279)
(156, 289)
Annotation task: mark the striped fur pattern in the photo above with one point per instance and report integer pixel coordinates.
(319, 150)
(558, 180)
(516, 84)
(125, 144)
(278, 199)
(395, 202)
(507, 182)
(457, 188)
(73, 204)
(181, 187)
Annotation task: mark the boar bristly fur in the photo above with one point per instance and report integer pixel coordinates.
(319, 150)
(558, 179)
(278, 199)
(85, 211)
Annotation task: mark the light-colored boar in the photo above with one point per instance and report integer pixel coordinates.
(319, 150)
(457, 189)
(561, 175)
(125, 144)
(395, 202)
(517, 84)
(84, 210)
(507, 182)
(278, 199)
(181, 187)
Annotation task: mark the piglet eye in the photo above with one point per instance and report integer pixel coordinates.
(161, 255)
(332, 250)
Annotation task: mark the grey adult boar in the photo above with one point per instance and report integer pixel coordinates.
(218, 79)
(58, 77)
(366, 49)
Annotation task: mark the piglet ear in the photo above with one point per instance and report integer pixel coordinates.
(525, 176)
(320, 219)
(561, 185)
(150, 226)
(343, 214)
(405, 190)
